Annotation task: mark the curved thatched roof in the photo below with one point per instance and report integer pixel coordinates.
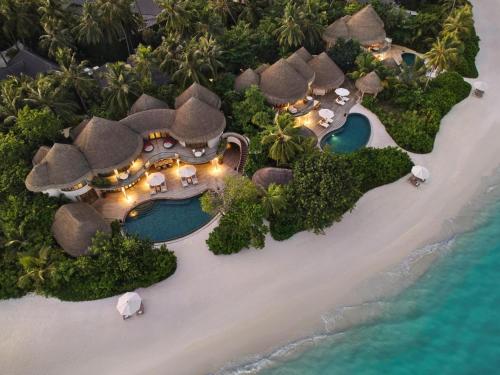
(364, 26)
(149, 121)
(40, 154)
(145, 102)
(261, 68)
(301, 66)
(246, 79)
(390, 63)
(197, 122)
(199, 92)
(303, 54)
(266, 176)
(281, 84)
(337, 30)
(108, 145)
(62, 167)
(74, 226)
(328, 75)
(369, 84)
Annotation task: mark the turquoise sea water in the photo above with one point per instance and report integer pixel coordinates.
(352, 136)
(164, 219)
(447, 323)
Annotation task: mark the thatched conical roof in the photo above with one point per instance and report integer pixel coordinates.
(145, 102)
(303, 54)
(40, 154)
(246, 79)
(337, 30)
(197, 122)
(62, 167)
(390, 63)
(266, 176)
(282, 84)
(261, 68)
(74, 226)
(152, 120)
(367, 27)
(301, 66)
(369, 84)
(199, 92)
(108, 145)
(328, 75)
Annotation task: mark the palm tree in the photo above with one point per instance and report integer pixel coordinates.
(223, 8)
(412, 75)
(11, 98)
(283, 138)
(19, 19)
(55, 37)
(36, 269)
(88, 30)
(312, 21)
(443, 54)
(210, 53)
(72, 75)
(251, 11)
(365, 64)
(144, 60)
(459, 22)
(169, 51)
(273, 200)
(173, 15)
(122, 86)
(289, 32)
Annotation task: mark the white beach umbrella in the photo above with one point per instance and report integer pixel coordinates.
(156, 179)
(342, 91)
(480, 85)
(129, 303)
(325, 113)
(187, 171)
(420, 172)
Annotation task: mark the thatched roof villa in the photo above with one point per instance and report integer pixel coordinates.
(74, 226)
(369, 84)
(291, 79)
(105, 148)
(364, 26)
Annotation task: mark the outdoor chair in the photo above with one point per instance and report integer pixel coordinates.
(184, 182)
(414, 181)
(195, 180)
(163, 188)
(323, 124)
(339, 101)
(141, 309)
(345, 98)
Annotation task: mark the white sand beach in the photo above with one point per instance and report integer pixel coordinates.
(218, 309)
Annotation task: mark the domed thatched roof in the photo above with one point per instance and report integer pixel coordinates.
(201, 93)
(364, 26)
(303, 54)
(108, 145)
(301, 66)
(246, 79)
(40, 154)
(197, 122)
(328, 74)
(390, 63)
(145, 102)
(75, 224)
(282, 84)
(149, 121)
(369, 84)
(270, 175)
(63, 166)
(261, 68)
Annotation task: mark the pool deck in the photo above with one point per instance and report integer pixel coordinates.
(114, 206)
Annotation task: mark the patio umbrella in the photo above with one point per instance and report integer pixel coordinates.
(156, 179)
(129, 303)
(342, 91)
(187, 171)
(325, 113)
(420, 172)
(481, 86)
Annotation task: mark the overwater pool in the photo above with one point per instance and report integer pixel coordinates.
(409, 58)
(354, 135)
(165, 219)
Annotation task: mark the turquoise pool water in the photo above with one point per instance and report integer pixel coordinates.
(165, 220)
(448, 323)
(409, 58)
(354, 135)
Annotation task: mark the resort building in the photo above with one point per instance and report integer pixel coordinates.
(290, 80)
(24, 62)
(364, 26)
(74, 226)
(112, 156)
(369, 84)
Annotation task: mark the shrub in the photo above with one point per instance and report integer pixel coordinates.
(467, 61)
(344, 54)
(445, 91)
(10, 272)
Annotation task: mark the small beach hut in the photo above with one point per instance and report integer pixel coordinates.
(146, 102)
(328, 76)
(369, 84)
(246, 79)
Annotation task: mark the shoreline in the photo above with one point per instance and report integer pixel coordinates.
(215, 310)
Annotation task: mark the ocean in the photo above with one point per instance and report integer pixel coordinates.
(447, 322)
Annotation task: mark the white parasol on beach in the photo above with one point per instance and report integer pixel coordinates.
(187, 171)
(480, 85)
(129, 303)
(342, 91)
(325, 113)
(156, 179)
(420, 172)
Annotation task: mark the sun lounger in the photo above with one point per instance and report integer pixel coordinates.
(195, 180)
(339, 101)
(141, 309)
(330, 120)
(345, 99)
(323, 124)
(163, 188)
(153, 192)
(184, 182)
(414, 181)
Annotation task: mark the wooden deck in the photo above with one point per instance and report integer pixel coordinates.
(115, 205)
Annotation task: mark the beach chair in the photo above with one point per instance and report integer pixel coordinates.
(330, 120)
(184, 182)
(414, 181)
(339, 101)
(141, 309)
(345, 99)
(152, 192)
(323, 124)
(195, 180)
(163, 188)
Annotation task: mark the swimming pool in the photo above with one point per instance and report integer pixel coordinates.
(409, 58)
(165, 219)
(354, 135)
